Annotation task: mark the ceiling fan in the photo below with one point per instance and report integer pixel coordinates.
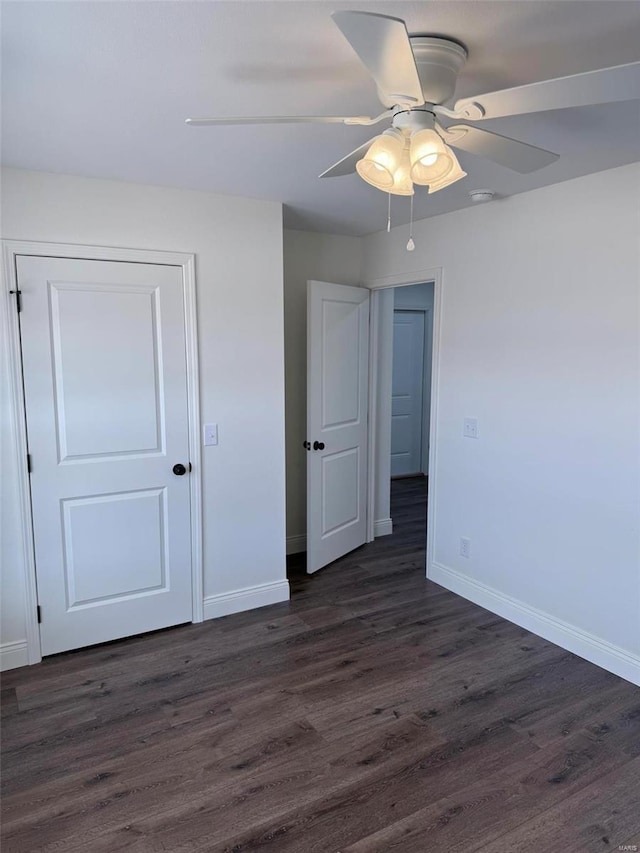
(415, 76)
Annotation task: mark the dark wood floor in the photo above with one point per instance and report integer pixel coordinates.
(375, 712)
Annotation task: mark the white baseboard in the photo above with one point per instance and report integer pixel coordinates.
(13, 655)
(245, 599)
(592, 648)
(296, 544)
(382, 527)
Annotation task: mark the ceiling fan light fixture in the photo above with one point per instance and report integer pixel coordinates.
(456, 174)
(431, 159)
(382, 160)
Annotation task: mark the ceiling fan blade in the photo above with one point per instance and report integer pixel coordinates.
(348, 164)
(383, 45)
(506, 152)
(605, 85)
(200, 122)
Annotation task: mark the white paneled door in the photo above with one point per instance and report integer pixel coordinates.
(105, 382)
(406, 394)
(337, 405)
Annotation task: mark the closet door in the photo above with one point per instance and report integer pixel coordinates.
(103, 347)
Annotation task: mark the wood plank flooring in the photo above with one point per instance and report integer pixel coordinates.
(375, 712)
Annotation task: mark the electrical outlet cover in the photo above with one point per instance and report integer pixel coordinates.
(470, 428)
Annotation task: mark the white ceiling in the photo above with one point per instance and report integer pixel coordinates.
(102, 89)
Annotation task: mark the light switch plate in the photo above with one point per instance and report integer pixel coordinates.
(210, 433)
(470, 428)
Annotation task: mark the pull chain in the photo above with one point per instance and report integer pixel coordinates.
(389, 215)
(411, 245)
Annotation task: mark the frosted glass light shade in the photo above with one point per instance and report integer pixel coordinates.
(381, 161)
(431, 159)
(456, 174)
(402, 183)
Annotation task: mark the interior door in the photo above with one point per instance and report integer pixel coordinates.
(337, 413)
(407, 391)
(103, 346)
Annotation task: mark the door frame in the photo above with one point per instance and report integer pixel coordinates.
(435, 275)
(9, 327)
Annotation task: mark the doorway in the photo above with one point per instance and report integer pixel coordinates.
(388, 295)
(410, 407)
(411, 379)
(399, 537)
(376, 454)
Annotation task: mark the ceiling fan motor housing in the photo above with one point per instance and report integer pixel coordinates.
(438, 61)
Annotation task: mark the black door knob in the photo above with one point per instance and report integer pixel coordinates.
(318, 445)
(179, 469)
(306, 445)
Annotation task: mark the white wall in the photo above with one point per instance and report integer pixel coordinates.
(239, 271)
(540, 341)
(322, 257)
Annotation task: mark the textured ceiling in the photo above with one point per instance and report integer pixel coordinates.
(102, 89)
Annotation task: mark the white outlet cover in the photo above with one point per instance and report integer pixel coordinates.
(470, 428)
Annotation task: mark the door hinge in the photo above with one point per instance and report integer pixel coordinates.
(39, 612)
(29, 466)
(18, 294)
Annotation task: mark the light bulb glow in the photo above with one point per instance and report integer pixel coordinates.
(430, 157)
(456, 174)
(378, 165)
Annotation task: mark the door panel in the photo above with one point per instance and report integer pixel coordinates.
(114, 546)
(88, 425)
(103, 347)
(337, 401)
(340, 498)
(340, 364)
(407, 390)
